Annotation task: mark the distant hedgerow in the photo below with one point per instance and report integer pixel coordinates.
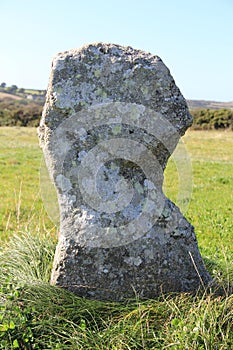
(20, 112)
(28, 113)
(208, 119)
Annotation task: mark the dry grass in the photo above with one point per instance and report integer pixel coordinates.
(4, 95)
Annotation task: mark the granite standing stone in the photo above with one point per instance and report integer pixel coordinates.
(113, 116)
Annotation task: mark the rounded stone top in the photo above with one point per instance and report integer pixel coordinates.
(126, 53)
(102, 73)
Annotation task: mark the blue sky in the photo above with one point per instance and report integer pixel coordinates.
(194, 38)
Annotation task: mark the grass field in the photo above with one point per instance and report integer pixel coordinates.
(21, 205)
(35, 315)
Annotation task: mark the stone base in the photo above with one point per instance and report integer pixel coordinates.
(162, 261)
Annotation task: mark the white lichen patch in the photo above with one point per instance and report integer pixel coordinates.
(136, 261)
(63, 183)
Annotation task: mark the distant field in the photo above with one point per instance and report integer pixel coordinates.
(202, 104)
(210, 209)
(34, 91)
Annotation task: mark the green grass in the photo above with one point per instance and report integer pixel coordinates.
(21, 205)
(210, 210)
(35, 315)
(34, 91)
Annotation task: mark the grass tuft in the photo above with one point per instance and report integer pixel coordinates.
(27, 258)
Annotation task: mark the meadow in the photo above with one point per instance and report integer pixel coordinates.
(35, 315)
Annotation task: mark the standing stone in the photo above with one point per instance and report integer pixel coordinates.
(112, 117)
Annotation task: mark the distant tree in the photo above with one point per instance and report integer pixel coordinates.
(21, 90)
(3, 85)
(12, 89)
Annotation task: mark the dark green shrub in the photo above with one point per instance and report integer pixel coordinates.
(212, 119)
(20, 112)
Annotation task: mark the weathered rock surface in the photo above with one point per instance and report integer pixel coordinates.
(112, 118)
